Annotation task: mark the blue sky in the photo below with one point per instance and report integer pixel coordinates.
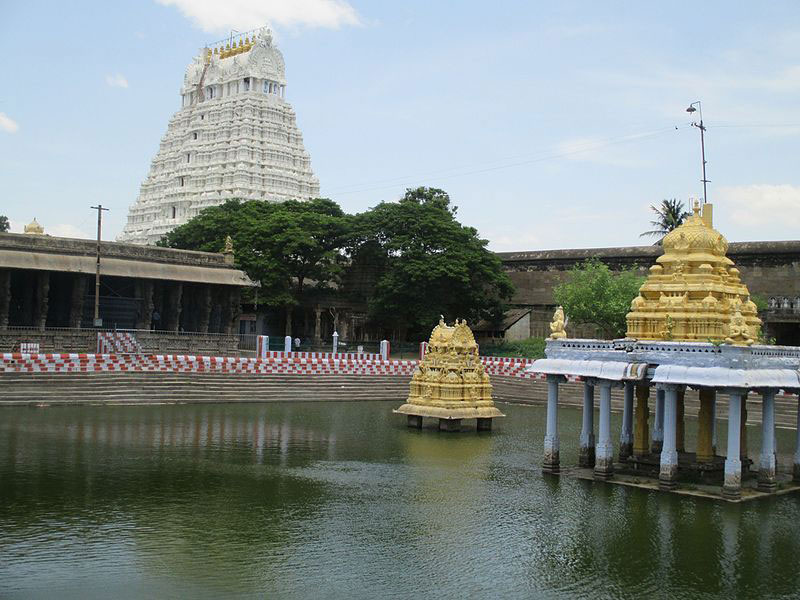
(551, 124)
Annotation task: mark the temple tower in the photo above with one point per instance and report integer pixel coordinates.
(235, 136)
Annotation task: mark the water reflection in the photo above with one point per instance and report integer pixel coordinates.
(310, 500)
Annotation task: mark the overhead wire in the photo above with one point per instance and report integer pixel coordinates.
(477, 169)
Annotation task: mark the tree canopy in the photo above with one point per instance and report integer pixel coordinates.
(670, 214)
(281, 245)
(593, 294)
(427, 263)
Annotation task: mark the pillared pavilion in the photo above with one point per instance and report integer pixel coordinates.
(693, 325)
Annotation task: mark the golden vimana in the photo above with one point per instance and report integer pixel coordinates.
(693, 293)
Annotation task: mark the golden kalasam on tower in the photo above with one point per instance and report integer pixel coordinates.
(450, 382)
(693, 293)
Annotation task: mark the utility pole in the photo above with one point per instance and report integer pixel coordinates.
(702, 129)
(98, 322)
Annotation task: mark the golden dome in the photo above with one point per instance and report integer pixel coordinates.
(694, 292)
(34, 228)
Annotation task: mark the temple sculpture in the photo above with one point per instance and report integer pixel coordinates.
(692, 326)
(450, 383)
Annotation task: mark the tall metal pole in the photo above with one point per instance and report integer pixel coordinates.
(702, 129)
(98, 322)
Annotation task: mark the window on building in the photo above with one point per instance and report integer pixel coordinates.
(181, 181)
(188, 157)
(266, 87)
(246, 83)
(194, 135)
(210, 92)
(174, 212)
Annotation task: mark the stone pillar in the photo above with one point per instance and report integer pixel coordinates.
(797, 447)
(766, 467)
(714, 424)
(658, 425)
(78, 296)
(668, 471)
(586, 453)
(743, 429)
(42, 297)
(604, 452)
(234, 309)
(680, 424)
(147, 304)
(641, 441)
(205, 309)
(705, 449)
(732, 487)
(626, 435)
(172, 318)
(5, 297)
(317, 327)
(551, 459)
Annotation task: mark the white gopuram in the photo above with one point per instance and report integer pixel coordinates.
(235, 136)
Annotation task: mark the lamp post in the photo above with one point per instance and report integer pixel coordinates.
(98, 322)
(691, 110)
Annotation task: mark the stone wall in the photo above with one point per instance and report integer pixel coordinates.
(85, 340)
(769, 269)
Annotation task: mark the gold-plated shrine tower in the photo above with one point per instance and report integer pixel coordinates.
(450, 383)
(693, 292)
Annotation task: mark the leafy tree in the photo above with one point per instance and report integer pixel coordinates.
(593, 294)
(282, 245)
(426, 264)
(4, 224)
(670, 214)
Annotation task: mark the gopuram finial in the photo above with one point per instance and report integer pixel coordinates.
(557, 327)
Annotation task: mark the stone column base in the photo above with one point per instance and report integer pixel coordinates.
(586, 457)
(415, 421)
(450, 425)
(603, 471)
(732, 493)
(668, 477)
(484, 424)
(551, 462)
(625, 450)
(766, 484)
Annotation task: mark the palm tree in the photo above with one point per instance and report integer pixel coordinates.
(670, 215)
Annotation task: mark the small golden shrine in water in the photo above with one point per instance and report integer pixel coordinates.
(693, 292)
(450, 383)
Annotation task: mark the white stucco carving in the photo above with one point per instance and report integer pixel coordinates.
(235, 136)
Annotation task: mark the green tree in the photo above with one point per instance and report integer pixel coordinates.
(670, 214)
(594, 295)
(4, 224)
(282, 245)
(426, 264)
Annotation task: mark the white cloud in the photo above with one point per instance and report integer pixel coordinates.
(8, 124)
(763, 204)
(116, 81)
(216, 16)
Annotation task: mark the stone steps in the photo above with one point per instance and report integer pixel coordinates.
(158, 387)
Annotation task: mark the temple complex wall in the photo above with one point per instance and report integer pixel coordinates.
(769, 269)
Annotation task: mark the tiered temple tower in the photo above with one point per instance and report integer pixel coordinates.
(235, 136)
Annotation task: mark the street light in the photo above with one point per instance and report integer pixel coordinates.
(691, 110)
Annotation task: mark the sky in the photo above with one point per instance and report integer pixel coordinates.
(550, 124)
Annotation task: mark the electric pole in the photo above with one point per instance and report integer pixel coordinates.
(702, 129)
(98, 322)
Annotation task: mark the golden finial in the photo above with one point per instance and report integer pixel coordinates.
(557, 327)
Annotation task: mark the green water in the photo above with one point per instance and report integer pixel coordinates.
(340, 500)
